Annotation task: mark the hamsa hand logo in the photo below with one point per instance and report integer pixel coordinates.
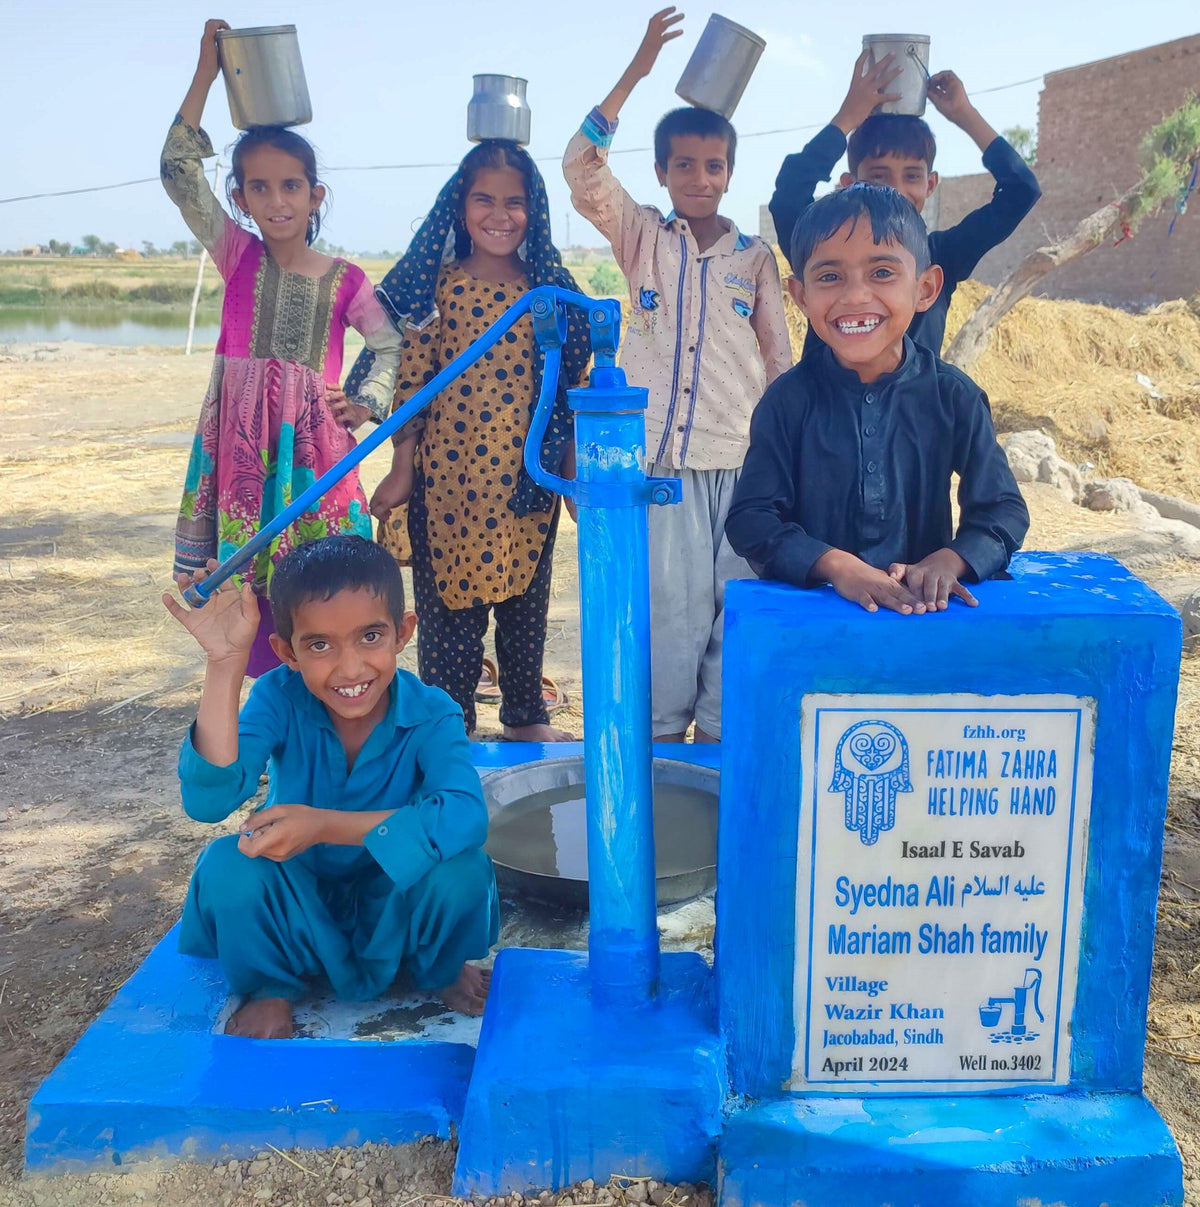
(870, 769)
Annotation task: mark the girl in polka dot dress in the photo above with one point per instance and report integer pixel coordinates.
(481, 530)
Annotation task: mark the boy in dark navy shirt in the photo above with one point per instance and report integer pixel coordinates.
(897, 150)
(847, 479)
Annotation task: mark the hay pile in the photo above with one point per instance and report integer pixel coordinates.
(1070, 369)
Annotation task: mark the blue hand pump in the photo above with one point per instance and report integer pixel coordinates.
(612, 492)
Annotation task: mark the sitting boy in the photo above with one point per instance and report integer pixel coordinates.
(897, 150)
(847, 480)
(706, 334)
(367, 859)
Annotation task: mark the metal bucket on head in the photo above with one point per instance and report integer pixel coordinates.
(911, 53)
(499, 110)
(264, 76)
(538, 832)
(721, 66)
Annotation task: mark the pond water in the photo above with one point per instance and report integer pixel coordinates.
(126, 327)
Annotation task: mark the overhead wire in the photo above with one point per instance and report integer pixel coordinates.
(410, 167)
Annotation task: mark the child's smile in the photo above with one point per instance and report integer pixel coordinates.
(277, 195)
(860, 297)
(696, 175)
(345, 647)
(496, 212)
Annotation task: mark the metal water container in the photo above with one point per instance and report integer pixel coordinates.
(721, 66)
(264, 76)
(499, 110)
(911, 54)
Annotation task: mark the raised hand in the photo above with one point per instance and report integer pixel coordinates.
(209, 66)
(868, 90)
(663, 28)
(949, 97)
(226, 626)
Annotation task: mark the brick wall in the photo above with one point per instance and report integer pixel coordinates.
(1090, 121)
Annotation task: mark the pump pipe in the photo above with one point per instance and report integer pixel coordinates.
(612, 491)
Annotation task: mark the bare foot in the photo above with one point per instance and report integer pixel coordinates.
(537, 733)
(262, 1018)
(468, 994)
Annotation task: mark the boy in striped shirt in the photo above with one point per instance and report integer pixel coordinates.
(706, 336)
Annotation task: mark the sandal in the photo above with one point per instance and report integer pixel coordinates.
(556, 699)
(487, 691)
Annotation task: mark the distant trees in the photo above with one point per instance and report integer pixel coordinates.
(58, 248)
(606, 279)
(1024, 142)
(93, 245)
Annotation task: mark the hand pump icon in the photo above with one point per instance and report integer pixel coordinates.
(989, 1015)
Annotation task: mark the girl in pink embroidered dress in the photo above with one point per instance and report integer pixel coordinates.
(273, 419)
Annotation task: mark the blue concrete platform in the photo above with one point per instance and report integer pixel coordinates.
(564, 1091)
(1078, 1150)
(152, 1078)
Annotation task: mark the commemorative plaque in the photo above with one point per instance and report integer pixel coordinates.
(942, 848)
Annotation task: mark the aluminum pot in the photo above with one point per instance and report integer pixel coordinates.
(911, 54)
(264, 76)
(721, 66)
(544, 858)
(499, 110)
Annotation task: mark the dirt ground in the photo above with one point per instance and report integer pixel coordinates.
(97, 684)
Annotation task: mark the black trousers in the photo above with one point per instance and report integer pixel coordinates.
(450, 640)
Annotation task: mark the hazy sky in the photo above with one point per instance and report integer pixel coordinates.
(88, 88)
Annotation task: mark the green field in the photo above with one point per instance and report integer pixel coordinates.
(106, 281)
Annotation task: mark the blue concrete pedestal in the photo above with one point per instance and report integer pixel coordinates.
(563, 1090)
(1069, 635)
(1085, 1150)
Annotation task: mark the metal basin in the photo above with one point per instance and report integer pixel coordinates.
(264, 76)
(910, 53)
(721, 66)
(538, 832)
(498, 109)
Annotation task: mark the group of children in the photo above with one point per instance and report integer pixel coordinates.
(366, 859)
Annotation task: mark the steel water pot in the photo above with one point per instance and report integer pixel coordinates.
(910, 53)
(721, 66)
(264, 76)
(499, 110)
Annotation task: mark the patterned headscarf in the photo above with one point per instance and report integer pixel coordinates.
(407, 294)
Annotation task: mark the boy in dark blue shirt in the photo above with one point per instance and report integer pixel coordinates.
(898, 150)
(847, 479)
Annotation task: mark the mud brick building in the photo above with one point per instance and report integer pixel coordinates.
(1090, 121)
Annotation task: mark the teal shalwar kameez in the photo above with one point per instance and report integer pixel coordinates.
(419, 895)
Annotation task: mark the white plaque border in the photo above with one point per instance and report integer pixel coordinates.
(812, 704)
